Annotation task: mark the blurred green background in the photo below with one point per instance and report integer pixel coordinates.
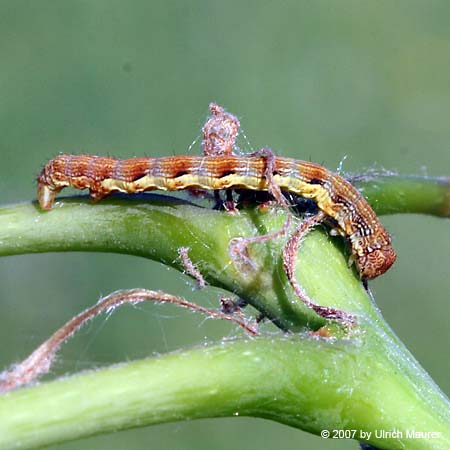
(315, 80)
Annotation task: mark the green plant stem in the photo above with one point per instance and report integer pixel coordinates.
(301, 381)
(155, 228)
(394, 194)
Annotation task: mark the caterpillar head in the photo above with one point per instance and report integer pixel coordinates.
(376, 262)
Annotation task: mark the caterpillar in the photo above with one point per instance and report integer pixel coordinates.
(336, 197)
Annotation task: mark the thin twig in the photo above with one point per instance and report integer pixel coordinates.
(190, 268)
(289, 262)
(40, 361)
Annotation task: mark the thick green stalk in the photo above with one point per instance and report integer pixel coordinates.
(301, 381)
(156, 229)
